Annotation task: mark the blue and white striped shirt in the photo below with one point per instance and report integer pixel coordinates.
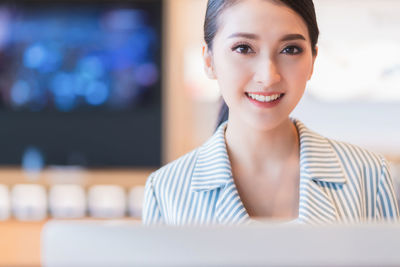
(338, 183)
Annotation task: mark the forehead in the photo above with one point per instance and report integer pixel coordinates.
(262, 17)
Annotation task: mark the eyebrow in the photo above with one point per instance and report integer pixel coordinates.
(291, 37)
(287, 37)
(244, 35)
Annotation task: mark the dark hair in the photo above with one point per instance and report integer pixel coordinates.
(305, 8)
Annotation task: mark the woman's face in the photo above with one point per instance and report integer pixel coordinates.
(262, 59)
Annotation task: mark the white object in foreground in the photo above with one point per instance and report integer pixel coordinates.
(123, 244)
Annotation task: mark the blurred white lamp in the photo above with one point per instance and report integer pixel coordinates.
(29, 202)
(107, 201)
(135, 201)
(4, 202)
(67, 201)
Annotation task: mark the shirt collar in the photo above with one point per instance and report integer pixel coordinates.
(212, 168)
(317, 158)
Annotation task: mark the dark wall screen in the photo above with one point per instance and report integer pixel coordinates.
(80, 83)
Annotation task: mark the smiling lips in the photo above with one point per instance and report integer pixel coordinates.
(265, 100)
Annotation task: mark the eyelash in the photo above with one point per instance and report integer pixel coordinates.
(284, 51)
(292, 47)
(243, 46)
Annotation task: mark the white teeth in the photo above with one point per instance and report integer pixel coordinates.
(262, 98)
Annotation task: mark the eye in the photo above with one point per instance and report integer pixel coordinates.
(292, 50)
(243, 49)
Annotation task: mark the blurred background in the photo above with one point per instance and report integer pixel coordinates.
(81, 83)
(95, 95)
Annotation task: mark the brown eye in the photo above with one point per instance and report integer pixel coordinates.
(292, 50)
(242, 49)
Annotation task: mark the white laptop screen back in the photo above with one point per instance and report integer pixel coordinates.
(98, 244)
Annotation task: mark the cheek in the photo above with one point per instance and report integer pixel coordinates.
(232, 72)
(297, 73)
(227, 64)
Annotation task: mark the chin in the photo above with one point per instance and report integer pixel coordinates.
(266, 123)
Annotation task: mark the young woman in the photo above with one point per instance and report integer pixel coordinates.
(261, 163)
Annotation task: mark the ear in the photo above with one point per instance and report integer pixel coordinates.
(208, 62)
(313, 62)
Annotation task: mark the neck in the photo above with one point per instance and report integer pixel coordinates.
(258, 149)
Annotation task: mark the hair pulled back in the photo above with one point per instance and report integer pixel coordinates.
(304, 8)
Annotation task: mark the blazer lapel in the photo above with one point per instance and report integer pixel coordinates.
(320, 172)
(229, 207)
(315, 204)
(212, 171)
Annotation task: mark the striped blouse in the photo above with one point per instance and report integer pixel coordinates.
(338, 183)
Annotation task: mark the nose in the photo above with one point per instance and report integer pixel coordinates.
(267, 73)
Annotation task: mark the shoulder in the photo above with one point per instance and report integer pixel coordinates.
(358, 162)
(351, 152)
(180, 171)
(173, 172)
(352, 158)
(358, 157)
